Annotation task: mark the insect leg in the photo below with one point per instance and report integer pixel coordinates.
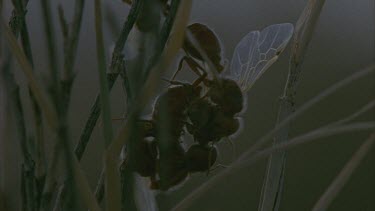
(179, 68)
(234, 152)
(193, 64)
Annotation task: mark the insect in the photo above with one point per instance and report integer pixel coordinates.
(141, 151)
(172, 167)
(169, 117)
(209, 43)
(215, 116)
(208, 107)
(170, 108)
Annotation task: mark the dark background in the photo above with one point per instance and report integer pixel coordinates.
(342, 44)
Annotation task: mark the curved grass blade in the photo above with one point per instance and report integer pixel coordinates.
(217, 179)
(344, 175)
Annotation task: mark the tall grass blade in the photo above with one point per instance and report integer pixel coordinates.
(39, 94)
(112, 196)
(148, 89)
(111, 77)
(274, 179)
(50, 114)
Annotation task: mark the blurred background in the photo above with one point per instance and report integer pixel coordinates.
(342, 44)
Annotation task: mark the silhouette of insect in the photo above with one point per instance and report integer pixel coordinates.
(171, 166)
(169, 113)
(209, 43)
(169, 117)
(208, 115)
(253, 55)
(141, 150)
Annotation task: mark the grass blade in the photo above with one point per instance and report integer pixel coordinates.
(112, 196)
(344, 175)
(273, 182)
(50, 114)
(149, 88)
(40, 96)
(310, 136)
(217, 179)
(51, 47)
(116, 65)
(349, 118)
(111, 77)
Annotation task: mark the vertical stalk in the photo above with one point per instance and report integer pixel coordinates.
(71, 43)
(117, 64)
(274, 180)
(112, 196)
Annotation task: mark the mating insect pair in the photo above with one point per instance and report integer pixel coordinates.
(167, 164)
(208, 108)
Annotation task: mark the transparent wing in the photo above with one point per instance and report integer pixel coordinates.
(256, 52)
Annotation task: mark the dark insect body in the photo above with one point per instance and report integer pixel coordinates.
(226, 94)
(207, 108)
(209, 43)
(200, 158)
(170, 109)
(144, 160)
(171, 166)
(169, 117)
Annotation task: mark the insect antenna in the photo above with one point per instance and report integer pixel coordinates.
(173, 82)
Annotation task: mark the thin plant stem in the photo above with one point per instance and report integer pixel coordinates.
(20, 11)
(310, 136)
(116, 65)
(343, 177)
(104, 96)
(40, 96)
(34, 171)
(52, 57)
(53, 85)
(71, 43)
(349, 118)
(99, 191)
(164, 35)
(14, 94)
(274, 179)
(184, 204)
(112, 197)
(18, 24)
(29, 191)
(305, 138)
(149, 87)
(15, 105)
(50, 114)
(63, 24)
(121, 43)
(322, 95)
(59, 199)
